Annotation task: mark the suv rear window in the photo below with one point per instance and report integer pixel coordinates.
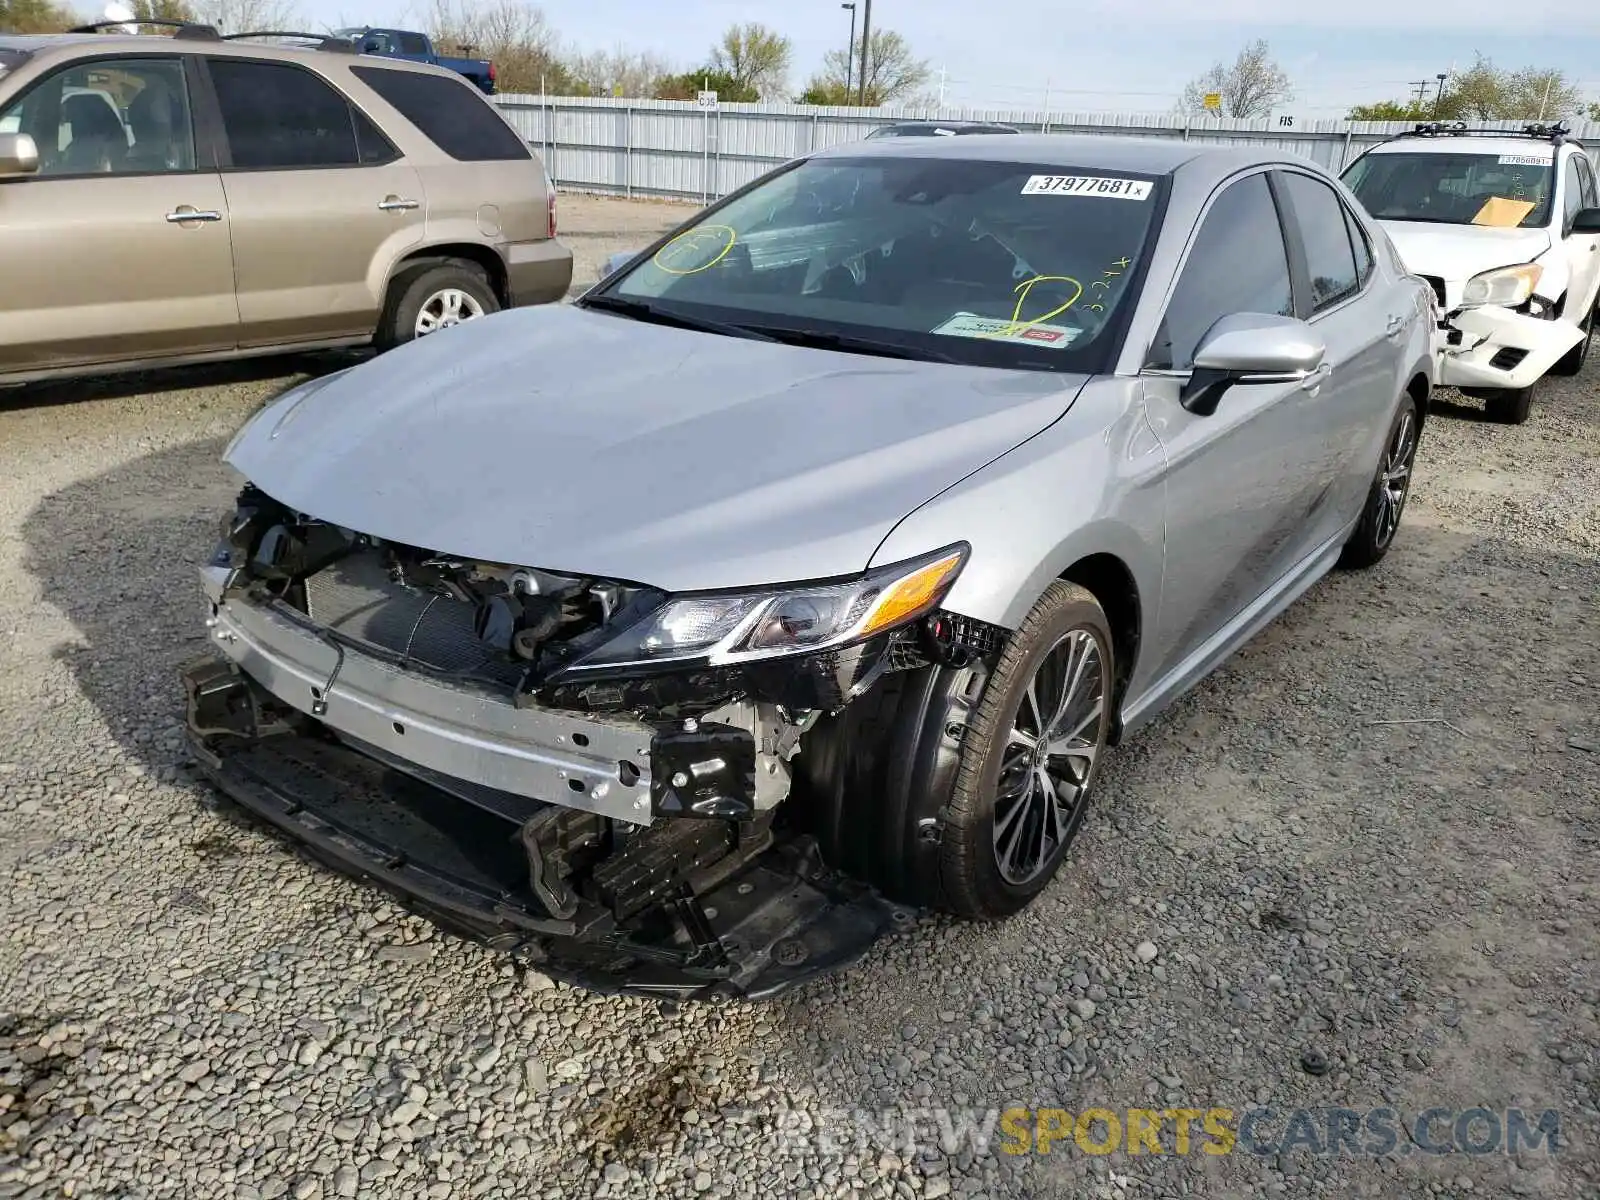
(450, 113)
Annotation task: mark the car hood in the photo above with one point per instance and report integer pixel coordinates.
(579, 441)
(1455, 253)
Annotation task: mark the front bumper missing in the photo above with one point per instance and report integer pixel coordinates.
(463, 856)
(459, 729)
(1495, 347)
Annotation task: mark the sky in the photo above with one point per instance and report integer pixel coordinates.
(1105, 55)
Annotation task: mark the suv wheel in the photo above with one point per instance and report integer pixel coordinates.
(433, 298)
(1572, 361)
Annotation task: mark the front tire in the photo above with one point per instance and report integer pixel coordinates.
(1510, 406)
(959, 788)
(1572, 361)
(1391, 487)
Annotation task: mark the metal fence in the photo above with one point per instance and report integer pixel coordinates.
(673, 148)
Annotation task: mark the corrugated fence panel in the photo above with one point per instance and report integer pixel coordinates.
(672, 148)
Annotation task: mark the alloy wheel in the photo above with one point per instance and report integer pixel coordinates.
(445, 308)
(1394, 477)
(1049, 757)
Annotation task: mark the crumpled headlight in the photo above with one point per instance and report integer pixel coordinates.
(1506, 286)
(772, 623)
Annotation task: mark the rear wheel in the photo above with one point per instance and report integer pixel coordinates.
(1572, 361)
(1509, 406)
(430, 298)
(963, 789)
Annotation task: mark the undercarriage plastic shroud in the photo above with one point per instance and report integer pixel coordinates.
(454, 855)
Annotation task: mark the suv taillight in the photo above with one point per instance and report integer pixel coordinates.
(493, 75)
(550, 206)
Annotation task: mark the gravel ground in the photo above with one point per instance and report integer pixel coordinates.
(1355, 868)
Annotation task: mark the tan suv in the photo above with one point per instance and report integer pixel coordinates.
(179, 199)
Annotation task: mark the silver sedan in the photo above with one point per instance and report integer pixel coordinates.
(801, 573)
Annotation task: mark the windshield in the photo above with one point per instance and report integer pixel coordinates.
(987, 263)
(1506, 190)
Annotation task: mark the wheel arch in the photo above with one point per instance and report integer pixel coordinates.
(1111, 582)
(477, 253)
(1421, 390)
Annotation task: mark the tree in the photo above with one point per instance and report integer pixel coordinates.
(163, 10)
(754, 57)
(1252, 87)
(242, 16)
(618, 73)
(514, 35)
(686, 85)
(1392, 110)
(1484, 92)
(894, 74)
(34, 16)
(1594, 111)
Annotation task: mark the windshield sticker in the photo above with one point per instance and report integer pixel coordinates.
(695, 250)
(1503, 213)
(1101, 186)
(1050, 337)
(1523, 160)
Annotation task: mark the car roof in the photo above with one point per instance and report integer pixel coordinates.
(1145, 155)
(957, 126)
(255, 46)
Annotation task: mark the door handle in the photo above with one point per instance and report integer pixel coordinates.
(1396, 324)
(185, 213)
(1313, 382)
(397, 204)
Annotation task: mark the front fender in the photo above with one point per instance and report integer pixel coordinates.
(1087, 485)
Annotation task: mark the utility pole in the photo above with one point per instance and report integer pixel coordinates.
(850, 52)
(1422, 90)
(866, 43)
(1543, 104)
(1438, 98)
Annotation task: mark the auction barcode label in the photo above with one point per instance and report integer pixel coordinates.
(1087, 185)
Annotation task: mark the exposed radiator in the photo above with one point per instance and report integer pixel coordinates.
(358, 598)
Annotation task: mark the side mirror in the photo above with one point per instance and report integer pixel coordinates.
(615, 263)
(1587, 221)
(1250, 348)
(19, 155)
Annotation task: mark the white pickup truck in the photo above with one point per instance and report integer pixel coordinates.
(1506, 227)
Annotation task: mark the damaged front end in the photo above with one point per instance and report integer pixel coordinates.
(1500, 336)
(585, 772)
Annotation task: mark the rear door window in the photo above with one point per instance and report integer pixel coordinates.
(449, 112)
(1330, 261)
(282, 117)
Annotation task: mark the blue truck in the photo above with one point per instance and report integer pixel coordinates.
(418, 47)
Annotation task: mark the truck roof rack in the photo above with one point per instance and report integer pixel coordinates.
(322, 41)
(1554, 132)
(188, 30)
